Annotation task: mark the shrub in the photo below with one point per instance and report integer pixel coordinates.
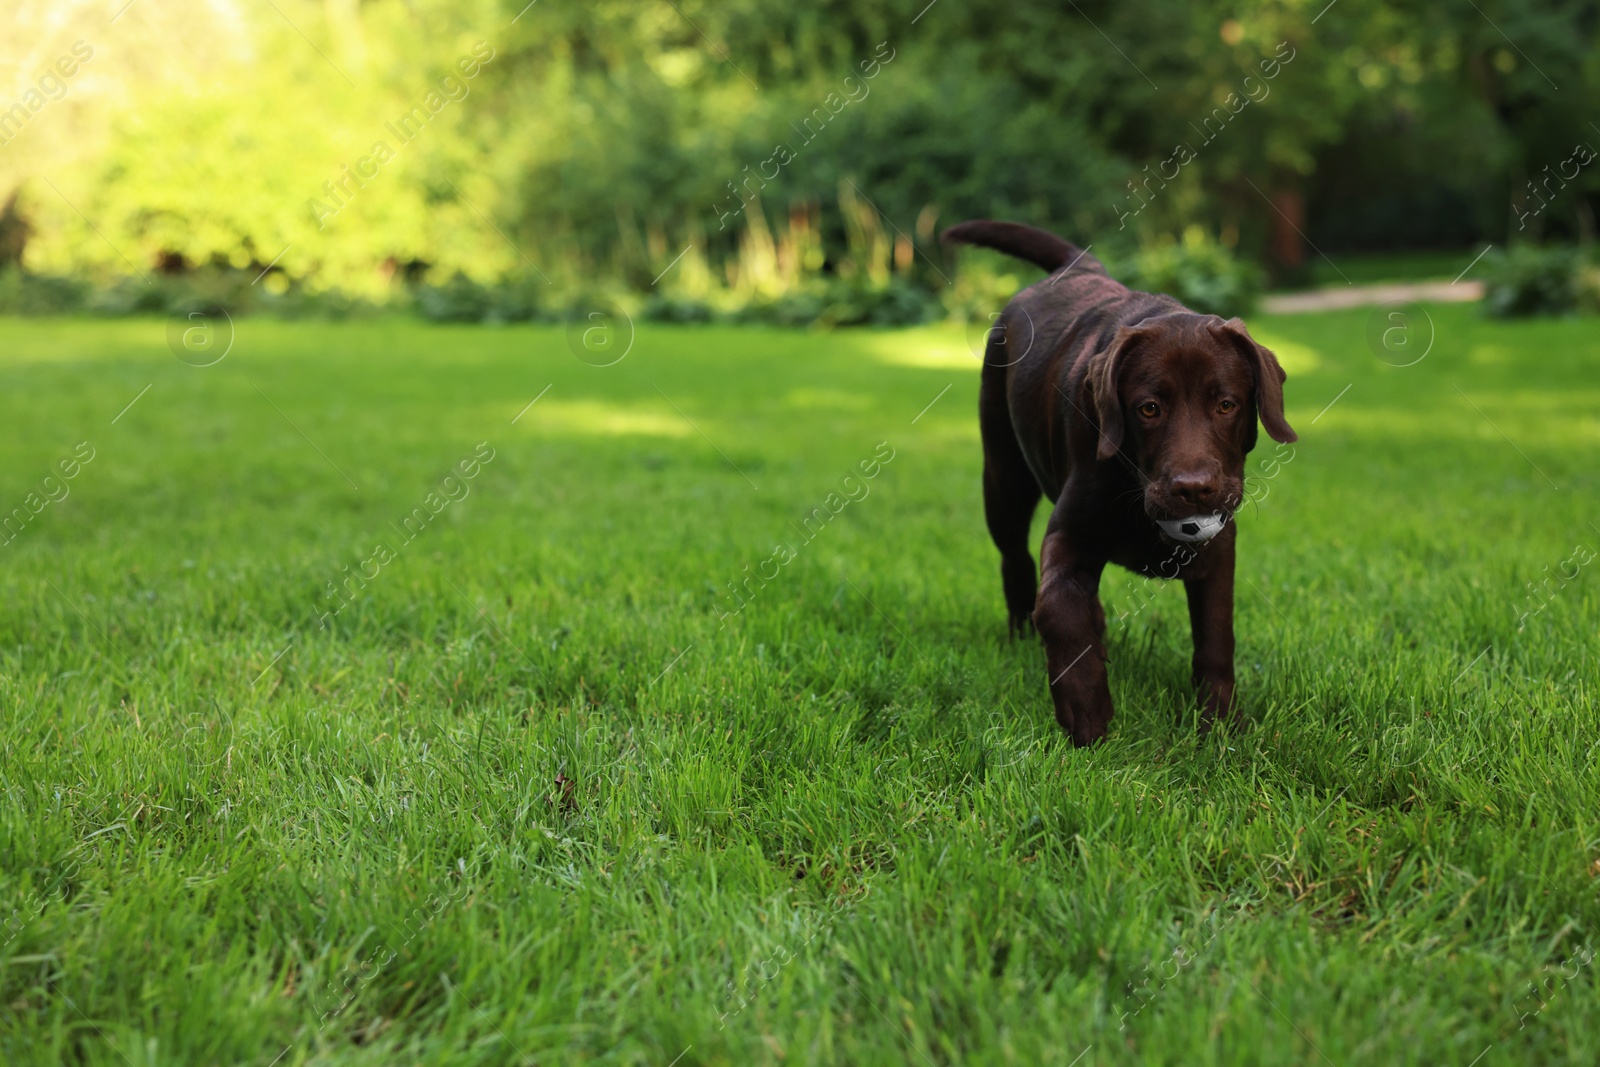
(520, 298)
(22, 293)
(836, 301)
(901, 304)
(1530, 280)
(1198, 271)
(458, 300)
(858, 302)
(517, 298)
(130, 296)
(681, 309)
(797, 307)
(1588, 288)
(208, 288)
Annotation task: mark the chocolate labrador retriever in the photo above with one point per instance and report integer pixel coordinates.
(1133, 415)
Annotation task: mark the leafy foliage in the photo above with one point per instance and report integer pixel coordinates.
(1198, 271)
(598, 141)
(1530, 280)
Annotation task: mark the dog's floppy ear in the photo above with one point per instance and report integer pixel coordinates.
(1104, 368)
(1269, 380)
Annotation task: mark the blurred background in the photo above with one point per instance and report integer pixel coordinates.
(767, 161)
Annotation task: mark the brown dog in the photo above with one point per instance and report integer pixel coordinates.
(1133, 415)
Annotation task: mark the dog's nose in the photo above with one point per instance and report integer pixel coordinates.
(1195, 488)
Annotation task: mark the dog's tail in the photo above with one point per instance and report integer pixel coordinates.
(1043, 249)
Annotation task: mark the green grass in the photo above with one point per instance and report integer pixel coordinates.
(527, 799)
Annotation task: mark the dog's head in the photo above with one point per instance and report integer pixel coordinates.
(1177, 396)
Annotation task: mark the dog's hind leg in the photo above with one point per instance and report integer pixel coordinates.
(1010, 493)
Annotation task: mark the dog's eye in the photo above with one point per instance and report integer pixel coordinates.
(1149, 409)
(1226, 406)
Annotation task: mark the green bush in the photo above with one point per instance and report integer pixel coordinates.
(1198, 271)
(514, 299)
(858, 302)
(835, 301)
(797, 307)
(1530, 280)
(1588, 288)
(829, 301)
(663, 307)
(901, 304)
(458, 300)
(22, 293)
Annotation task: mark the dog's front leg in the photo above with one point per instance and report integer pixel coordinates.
(1211, 626)
(1067, 616)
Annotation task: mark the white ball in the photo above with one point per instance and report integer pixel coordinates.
(1195, 528)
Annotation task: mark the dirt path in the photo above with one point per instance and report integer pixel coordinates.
(1350, 296)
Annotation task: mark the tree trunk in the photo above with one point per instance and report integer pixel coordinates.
(1288, 247)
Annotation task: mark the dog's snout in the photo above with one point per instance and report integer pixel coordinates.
(1199, 489)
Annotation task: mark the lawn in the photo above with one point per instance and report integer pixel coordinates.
(542, 790)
